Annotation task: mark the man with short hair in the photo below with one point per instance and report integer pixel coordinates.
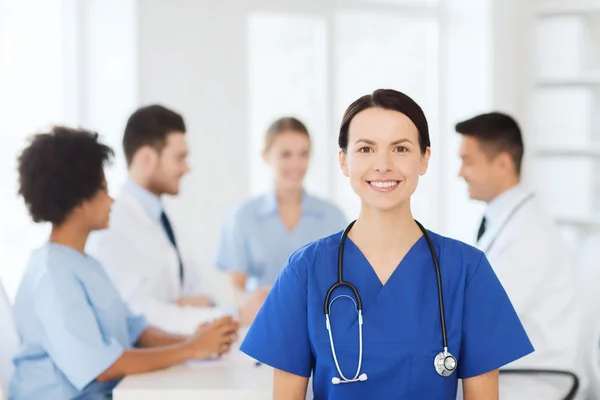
(525, 249)
(141, 251)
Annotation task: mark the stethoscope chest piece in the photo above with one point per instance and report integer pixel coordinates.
(444, 363)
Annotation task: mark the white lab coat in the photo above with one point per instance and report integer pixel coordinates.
(527, 253)
(143, 264)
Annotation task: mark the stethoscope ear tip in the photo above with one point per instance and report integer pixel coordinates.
(362, 377)
(335, 380)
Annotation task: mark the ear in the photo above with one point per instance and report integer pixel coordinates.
(343, 158)
(147, 157)
(505, 161)
(425, 161)
(265, 156)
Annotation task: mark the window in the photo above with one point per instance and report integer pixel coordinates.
(287, 78)
(566, 98)
(34, 88)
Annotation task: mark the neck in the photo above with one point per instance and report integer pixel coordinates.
(139, 179)
(505, 186)
(289, 197)
(71, 235)
(385, 231)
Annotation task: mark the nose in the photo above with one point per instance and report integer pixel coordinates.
(382, 162)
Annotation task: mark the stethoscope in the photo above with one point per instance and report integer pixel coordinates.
(444, 362)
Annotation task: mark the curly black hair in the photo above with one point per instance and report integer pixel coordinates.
(59, 170)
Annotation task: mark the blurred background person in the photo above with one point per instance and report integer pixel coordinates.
(526, 250)
(78, 338)
(140, 249)
(262, 232)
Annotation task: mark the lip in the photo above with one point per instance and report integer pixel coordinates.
(383, 189)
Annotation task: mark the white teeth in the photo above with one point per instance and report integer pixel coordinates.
(384, 184)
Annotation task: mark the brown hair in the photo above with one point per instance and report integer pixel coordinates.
(150, 126)
(387, 99)
(285, 124)
(498, 133)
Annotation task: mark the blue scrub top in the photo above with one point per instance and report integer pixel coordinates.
(401, 331)
(255, 240)
(73, 326)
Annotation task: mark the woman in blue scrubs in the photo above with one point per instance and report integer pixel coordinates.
(78, 338)
(262, 232)
(426, 310)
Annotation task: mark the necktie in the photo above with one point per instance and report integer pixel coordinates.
(481, 229)
(169, 229)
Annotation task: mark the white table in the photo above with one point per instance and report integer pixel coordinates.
(233, 377)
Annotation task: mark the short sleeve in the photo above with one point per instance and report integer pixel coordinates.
(136, 325)
(493, 335)
(71, 334)
(278, 336)
(232, 248)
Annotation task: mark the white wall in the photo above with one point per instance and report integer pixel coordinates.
(107, 77)
(192, 58)
(467, 90)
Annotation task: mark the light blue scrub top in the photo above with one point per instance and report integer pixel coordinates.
(254, 240)
(401, 331)
(72, 325)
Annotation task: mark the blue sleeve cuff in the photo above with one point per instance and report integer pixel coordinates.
(273, 360)
(136, 326)
(100, 363)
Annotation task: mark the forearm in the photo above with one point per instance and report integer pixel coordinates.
(134, 361)
(238, 280)
(154, 337)
(481, 387)
(288, 386)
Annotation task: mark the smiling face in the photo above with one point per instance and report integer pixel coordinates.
(383, 159)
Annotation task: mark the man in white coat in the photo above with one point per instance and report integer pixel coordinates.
(140, 250)
(524, 246)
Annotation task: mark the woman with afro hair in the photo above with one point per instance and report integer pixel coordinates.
(78, 338)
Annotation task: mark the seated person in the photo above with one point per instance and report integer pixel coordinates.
(78, 338)
(262, 232)
(142, 251)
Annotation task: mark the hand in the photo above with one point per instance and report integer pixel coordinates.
(196, 301)
(248, 311)
(213, 338)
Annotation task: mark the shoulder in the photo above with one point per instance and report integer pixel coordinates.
(534, 227)
(459, 256)
(248, 208)
(51, 270)
(302, 261)
(325, 206)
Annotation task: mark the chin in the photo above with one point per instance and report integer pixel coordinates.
(385, 206)
(172, 191)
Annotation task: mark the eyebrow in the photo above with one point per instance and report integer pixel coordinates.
(395, 142)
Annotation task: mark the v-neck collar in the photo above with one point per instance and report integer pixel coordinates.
(358, 252)
(359, 271)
